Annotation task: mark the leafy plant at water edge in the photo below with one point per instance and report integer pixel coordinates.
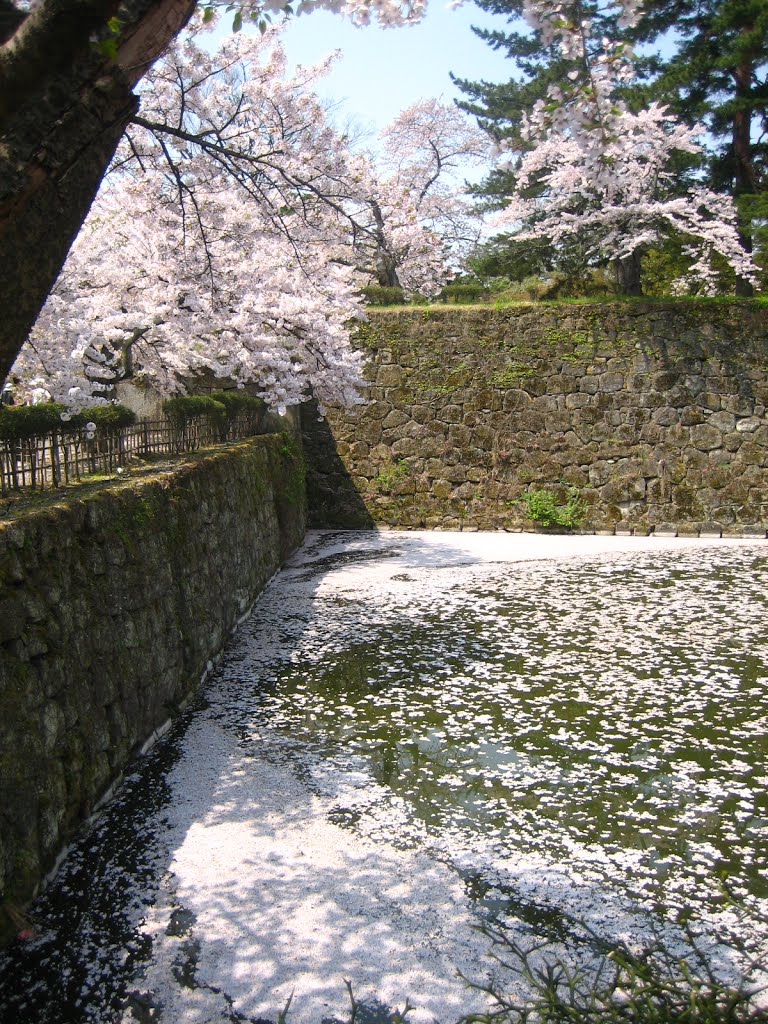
(542, 508)
(389, 476)
(659, 984)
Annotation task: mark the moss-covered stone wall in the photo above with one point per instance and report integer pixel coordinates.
(654, 413)
(111, 606)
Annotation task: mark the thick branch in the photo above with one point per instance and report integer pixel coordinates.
(54, 35)
(10, 19)
(63, 109)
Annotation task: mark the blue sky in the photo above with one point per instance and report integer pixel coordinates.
(382, 71)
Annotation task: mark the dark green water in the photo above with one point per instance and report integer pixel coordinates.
(605, 711)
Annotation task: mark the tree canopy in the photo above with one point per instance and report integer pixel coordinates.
(236, 229)
(715, 45)
(68, 75)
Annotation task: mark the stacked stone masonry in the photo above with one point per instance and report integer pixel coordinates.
(111, 606)
(655, 414)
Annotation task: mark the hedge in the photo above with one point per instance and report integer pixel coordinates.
(20, 422)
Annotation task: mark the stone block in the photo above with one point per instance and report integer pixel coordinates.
(749, 424)
(442, 489)
(514, 399)
(394, 419)
(451, 414)
(688, 530)
(666, 416)
(706, 437)
(13, 618)
(711, 529)
(709, 400)
(390, 375)
(611, 382)
(739, 405)
(723, 421)
(691, 416)
(753, 532)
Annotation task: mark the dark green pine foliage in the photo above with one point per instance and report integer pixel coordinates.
(499, 106)
(718, 74)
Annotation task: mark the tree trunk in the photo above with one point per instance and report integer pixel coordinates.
(745, 178)
(385, 264)
(63, 109)
(386, 271)
(626, 274)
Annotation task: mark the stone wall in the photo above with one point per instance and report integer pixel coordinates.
(111, 606)
(655, 414)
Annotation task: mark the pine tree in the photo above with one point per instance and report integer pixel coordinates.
(718, 74)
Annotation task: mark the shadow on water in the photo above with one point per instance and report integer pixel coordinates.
(87, 915)
(88, 946)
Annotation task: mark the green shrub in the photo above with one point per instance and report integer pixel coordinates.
(106, 417)
(183, 408)
(239, 405)
(237, 402)
(544, 510)
(376, 295)
(19, 422)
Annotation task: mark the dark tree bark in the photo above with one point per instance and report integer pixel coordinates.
(745, 176)
(386, 265)
(64, 104)
(627, 274)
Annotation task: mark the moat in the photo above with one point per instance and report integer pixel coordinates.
(412, 733)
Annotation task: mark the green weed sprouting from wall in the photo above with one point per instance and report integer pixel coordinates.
(543, 509)
(389, 476)
(514, 376)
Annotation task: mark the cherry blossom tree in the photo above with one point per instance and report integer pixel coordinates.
(594, 169)
(424, 150)
(68, 74)
(227, 237)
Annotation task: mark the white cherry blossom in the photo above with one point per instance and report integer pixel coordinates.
(591, 168)
(227, 238)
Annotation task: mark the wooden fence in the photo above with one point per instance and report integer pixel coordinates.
(62, 457)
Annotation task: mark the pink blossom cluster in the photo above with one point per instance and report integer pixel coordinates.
(424, 148)
(235, 230)
(589, 167)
